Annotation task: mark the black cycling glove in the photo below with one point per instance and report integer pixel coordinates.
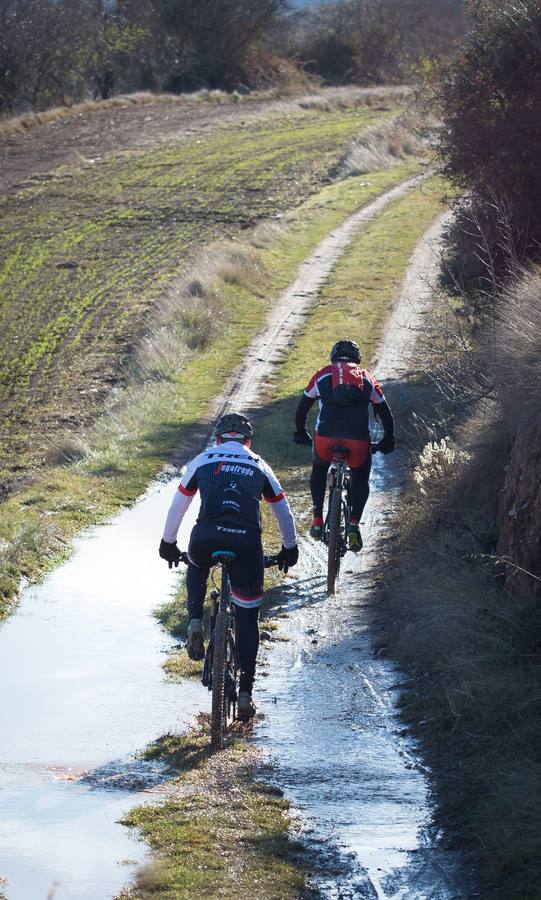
(301, 436)
(170, 552)
(287, 558)
(387, 444)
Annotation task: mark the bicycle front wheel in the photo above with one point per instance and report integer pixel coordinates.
(335, 542)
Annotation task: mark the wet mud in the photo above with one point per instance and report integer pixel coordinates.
(334, 740)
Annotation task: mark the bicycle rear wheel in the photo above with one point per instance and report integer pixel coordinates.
(335, 540)
(217, 720)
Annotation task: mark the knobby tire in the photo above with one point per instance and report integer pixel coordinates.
(219, 665)
(335, 542)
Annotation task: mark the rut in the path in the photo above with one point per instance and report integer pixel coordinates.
(287, 316)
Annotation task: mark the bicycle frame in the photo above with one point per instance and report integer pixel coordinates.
(338, 514)
(338, 480)
(221, 668)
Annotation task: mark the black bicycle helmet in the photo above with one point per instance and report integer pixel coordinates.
(346, 350)
(233, 425)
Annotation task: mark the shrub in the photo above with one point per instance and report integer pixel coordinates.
(491, 139)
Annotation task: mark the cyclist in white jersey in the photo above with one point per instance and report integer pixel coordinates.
(231, 480)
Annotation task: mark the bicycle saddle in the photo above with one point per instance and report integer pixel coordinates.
(223, 556)
(339, 449)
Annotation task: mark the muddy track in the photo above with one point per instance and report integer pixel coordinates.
(90, 698)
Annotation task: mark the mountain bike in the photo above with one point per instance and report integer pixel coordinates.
(335, 528)
(221, 668)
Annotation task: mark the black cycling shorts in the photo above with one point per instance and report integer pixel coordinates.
(246, 572)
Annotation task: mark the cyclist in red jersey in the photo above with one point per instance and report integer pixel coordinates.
(345, 392)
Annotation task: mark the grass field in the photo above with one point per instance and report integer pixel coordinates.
(86, 251)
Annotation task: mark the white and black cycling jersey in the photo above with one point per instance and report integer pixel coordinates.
(231, 480)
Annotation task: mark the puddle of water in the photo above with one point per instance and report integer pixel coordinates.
(81, 690)
(334, 740)
(63, 833)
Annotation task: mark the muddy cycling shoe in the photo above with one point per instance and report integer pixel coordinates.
(246, 706)
(355, 541)
(316, 531)
(195, 645)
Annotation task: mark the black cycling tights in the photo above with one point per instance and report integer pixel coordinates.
(247, 624)
(248, 643)
(359, 487)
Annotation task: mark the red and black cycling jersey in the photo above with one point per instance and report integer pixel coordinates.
(334, 419)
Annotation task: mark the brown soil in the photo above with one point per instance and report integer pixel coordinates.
(98, 133)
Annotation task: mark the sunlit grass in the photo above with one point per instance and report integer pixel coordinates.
(221, 832)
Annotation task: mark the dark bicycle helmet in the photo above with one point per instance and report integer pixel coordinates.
(233, 425)
(346, 350)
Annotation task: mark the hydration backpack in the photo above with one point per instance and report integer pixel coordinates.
(347, 383)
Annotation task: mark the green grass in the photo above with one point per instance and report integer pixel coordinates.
(142, 426)
(219, 833)
(86, 251)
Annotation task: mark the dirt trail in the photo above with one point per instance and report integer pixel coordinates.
(71, 624)
(246, 386)
(114, 130)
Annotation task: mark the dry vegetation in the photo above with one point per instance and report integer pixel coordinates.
(382, 146)
(460, 612)
(23, 123)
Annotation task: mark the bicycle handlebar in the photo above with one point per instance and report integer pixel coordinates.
(268, 561)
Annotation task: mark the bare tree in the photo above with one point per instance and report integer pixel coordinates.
(207, 40)
(376, 40)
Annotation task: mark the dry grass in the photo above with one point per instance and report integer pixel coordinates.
(386, 144)
(515, 352)
(353, 97)
(194, 309)
(343, 98)
(26, 121)
(470, 645)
